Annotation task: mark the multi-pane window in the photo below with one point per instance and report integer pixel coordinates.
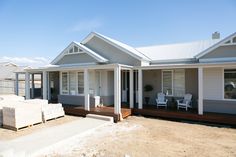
(173, 82)
(230, 83)
(179, 82)
(65, 88)
(167, 85)
(72, 83)
(80, 83)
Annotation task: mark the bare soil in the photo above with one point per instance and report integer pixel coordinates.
(147, 137)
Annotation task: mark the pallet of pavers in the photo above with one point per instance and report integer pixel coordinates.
(3, 99)
(52, 111)
(49, 111)
(20, 115)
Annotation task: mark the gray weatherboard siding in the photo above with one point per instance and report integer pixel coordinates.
(76, 58)
(219, 106)
(113, 54)
(79, 100)
(222, 52)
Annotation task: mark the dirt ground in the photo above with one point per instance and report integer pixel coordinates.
(144, 137)
(6, 134)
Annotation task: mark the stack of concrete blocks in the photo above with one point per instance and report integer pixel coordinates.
(3, 98)
(0, 115)
(21, 115)
(15, 112)
(51, 111)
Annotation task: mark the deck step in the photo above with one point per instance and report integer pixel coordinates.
(95, 116)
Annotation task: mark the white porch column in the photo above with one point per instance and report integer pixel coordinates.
(45, 85)
(86, 90)
(140, 88)
(200, 91)
(17, 84)
(117, 90)
(27, 85)
(131, 89)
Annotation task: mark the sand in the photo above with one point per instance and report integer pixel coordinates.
(6, 134)
(141, 137)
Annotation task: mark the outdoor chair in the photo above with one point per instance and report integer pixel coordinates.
(185, 103)
(161, 100)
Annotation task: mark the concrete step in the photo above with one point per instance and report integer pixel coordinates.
(95, 116)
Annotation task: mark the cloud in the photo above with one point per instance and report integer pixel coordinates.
(87, 25)
(26, 61)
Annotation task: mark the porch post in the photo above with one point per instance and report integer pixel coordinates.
(117, 90)
(44, 85)
(86, 90)
(27, 85)
(17, 84)
(131, 88)
(200, 91)
(32, 86)
(140, 88)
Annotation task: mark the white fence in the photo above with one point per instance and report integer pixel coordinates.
(8, 87)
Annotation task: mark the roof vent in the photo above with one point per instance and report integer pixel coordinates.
(216, 35)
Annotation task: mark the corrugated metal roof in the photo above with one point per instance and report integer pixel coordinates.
(177, 51)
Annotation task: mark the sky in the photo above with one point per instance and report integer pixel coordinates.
(34, 32)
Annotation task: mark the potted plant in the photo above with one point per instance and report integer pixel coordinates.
(147, 89)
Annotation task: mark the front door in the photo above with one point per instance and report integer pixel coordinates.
(54, 86)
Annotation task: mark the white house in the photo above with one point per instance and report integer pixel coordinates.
(117, 73)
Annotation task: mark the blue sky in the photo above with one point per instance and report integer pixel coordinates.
(36, 31)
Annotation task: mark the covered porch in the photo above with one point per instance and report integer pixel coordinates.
(207, 83)
(97, 89)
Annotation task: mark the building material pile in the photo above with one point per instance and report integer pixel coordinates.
(16, 113)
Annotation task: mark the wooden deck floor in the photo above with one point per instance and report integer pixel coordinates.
(152, 111)
(105, 110)
(192, 115)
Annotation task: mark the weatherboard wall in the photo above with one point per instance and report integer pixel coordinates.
(76, 58)
(113, 54)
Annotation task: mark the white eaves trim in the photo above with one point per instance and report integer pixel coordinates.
(220, 43)
(173, 61)
(187, 65)
(123, 47)
(93, 54)
(225, 59)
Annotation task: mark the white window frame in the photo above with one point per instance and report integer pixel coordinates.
(77, 72)
(172, 79)
(174, 83)
(61, 91)
(68, 84)
(223, 84)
